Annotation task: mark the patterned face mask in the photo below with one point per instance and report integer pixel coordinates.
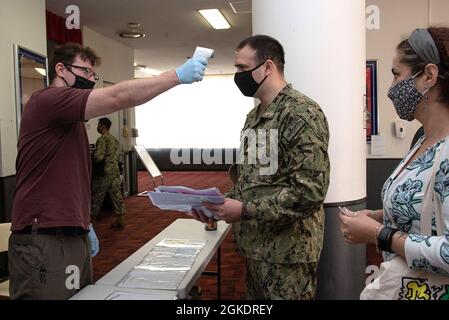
(406, 98)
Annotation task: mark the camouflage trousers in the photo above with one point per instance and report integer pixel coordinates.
(271, 281)
(112, 186)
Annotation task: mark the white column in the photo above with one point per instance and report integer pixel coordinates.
(325, 46)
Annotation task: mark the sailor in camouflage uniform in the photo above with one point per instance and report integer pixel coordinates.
(278, 218)
(107, 149)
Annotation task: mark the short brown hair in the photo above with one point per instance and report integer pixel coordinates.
(67, 54)
(409, 57)
(105, 122)
(266, 48)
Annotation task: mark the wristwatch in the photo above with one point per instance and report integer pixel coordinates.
(245, 216)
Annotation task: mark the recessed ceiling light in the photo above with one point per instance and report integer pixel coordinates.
(140, 66)
(134, 25)
(215, 18)
(132, 34)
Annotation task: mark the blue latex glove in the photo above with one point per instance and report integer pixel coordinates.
(192, 70)
(94, 243)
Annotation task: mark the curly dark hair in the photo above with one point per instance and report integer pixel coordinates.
(409, 57)
(67, 54)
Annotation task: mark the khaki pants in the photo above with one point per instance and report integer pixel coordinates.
(48, 267)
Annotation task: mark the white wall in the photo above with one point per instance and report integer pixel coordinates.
(117, 65)
(398, 18)
(21, 22)
(208, 114)
(439, 12)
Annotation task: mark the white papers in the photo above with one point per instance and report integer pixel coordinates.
(182, 243)
(164, 266)
(187, 252)
(169, 259)
(185, 199)
(378, 145)
(148, 279)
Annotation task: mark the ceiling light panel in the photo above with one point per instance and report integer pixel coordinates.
(215, 18)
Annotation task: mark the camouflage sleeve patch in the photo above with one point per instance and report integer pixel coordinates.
(296, 126)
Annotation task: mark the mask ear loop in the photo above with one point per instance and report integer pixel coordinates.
(426, 98)
(65, 81)
(417, 74)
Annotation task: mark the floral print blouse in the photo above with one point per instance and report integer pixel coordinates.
(402, 197)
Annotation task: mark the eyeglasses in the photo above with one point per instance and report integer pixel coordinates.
(87, 71)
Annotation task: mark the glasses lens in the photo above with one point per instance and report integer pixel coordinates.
(88, 72)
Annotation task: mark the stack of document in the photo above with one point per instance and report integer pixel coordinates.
(185, 199)
(165, 266)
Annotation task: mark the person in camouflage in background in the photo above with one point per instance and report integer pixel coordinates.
(107, 180)
(277, 216)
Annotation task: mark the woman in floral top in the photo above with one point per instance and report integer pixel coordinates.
(420, 91)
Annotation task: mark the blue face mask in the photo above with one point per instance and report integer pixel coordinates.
(246, 83)
(406, 98)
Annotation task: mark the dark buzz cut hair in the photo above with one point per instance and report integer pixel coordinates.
(68, 52)
(106, 122)
(267, 48)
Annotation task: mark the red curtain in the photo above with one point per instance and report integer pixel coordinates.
(57, 31)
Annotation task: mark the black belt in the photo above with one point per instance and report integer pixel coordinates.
(67, 231)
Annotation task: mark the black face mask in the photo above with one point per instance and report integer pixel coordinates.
(246, 83)
(80, 82)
